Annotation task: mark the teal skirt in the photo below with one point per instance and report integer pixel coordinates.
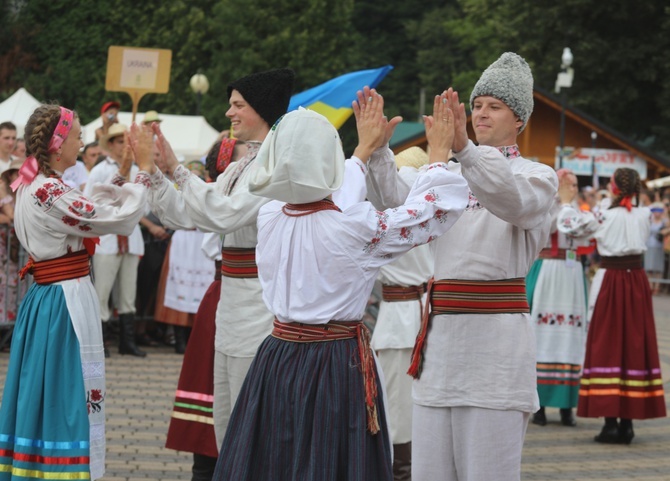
(44, 425)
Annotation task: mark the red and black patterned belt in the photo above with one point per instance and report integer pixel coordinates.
(452, 296)
(622, 262)
(393, 293)
(550, 253)
(239, 262)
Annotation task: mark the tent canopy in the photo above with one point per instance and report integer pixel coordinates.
(18, 108)
(191, 136)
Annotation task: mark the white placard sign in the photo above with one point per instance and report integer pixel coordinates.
(139, 69)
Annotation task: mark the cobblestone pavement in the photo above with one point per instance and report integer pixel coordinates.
(140, 393)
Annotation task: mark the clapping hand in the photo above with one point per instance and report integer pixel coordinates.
(374, 130)
(460, 120)
(167, 154)
(141, 140)
(440, 129)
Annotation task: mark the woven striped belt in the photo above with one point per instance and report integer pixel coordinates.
(239, 263)
(217, 270)
(336, 331)
(550, 253)
(392, 293)
(70, 266)
(505, 296)
(622, 262)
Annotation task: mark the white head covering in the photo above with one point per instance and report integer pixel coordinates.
(300, 161)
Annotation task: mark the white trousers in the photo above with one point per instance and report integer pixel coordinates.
(106, 268)
(229, 375)
(467, 444)
(394, 364)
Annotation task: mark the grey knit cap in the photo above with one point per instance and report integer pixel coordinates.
(509, 79)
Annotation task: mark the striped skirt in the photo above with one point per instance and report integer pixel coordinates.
(52, 414)
(192, 423)
(622, 374)
(301, 415)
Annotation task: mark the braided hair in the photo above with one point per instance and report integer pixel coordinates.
(629, 184)
(38, 132)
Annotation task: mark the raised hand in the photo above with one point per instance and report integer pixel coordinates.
(126, 158)
(440, 129)
(364, 97)
(460, 120)
(167, 154)
(141, 140)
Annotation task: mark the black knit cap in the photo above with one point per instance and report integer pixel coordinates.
(267, 92)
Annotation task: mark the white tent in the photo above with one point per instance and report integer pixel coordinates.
(18, 108)
(191, 136)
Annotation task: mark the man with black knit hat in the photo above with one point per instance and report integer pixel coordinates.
(474, 360)
(226, 207)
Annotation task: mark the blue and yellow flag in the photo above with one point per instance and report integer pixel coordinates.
(333, 98)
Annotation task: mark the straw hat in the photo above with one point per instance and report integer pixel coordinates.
(15, 164)
(413, 157)
(114, 131)
(151, 116)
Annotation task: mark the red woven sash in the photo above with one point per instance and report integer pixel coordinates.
(468, 297)
(549, 253)
(69, 266)
(622, 262)
(239, 263)
(402, 293)
(335, 331)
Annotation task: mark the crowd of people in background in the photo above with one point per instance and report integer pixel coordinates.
(528, 280)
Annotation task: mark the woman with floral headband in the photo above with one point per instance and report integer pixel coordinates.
(622, 374)
(52, 418)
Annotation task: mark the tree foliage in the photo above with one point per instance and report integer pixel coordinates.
(622, 59)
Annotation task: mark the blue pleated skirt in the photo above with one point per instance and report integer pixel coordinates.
(44, 426)
(301, 416)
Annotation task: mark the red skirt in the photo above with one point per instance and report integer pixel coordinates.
(192, 422)
(622, 373)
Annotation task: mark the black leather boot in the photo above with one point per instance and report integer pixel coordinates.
(402, 462)
(609, 433)
(626, 433)
(127, 336)
(540, 418)
(180, 339)
(567, 418)
(203, 467)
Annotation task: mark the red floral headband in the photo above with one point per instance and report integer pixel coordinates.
(29, 169)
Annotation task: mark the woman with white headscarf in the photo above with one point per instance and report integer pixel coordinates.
(311, 406)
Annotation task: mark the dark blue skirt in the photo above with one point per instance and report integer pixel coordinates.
(301, 416)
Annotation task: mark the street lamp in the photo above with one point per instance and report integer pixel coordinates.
(564, 80)
(200, 86)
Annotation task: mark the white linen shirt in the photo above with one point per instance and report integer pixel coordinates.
(51, 218)
(322, 267)
(103, 173)
(398, 322)
(617, 231)
(482, 360)
(228, 208)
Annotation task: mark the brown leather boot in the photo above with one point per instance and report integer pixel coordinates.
(402, 462)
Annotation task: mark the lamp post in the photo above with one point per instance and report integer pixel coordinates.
(564, 80)
(200, 86)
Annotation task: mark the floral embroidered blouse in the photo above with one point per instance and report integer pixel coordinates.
(321, 267)
(52, 219)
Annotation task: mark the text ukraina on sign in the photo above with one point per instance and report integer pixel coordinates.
(139, 69)
(580, 161)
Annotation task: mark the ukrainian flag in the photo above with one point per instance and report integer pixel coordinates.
(333, 99)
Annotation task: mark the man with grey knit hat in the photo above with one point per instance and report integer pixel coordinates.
(227, 207)
(474, 361)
